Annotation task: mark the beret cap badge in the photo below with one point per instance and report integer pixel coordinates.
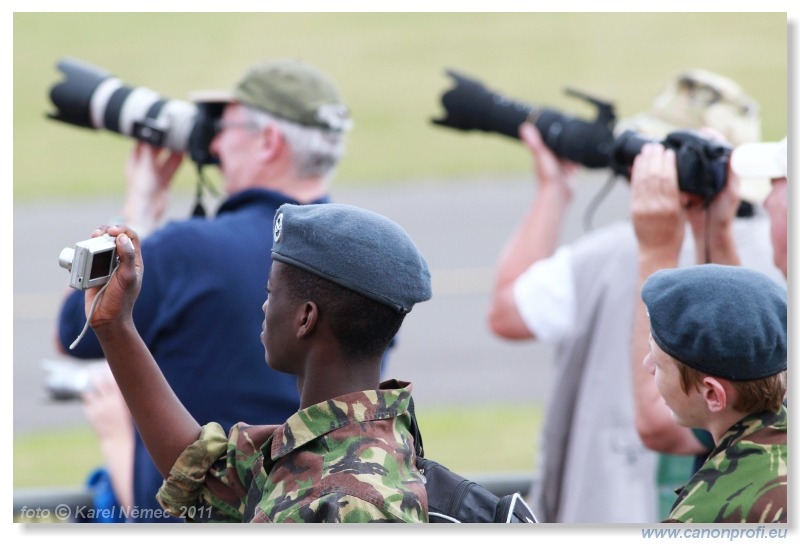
(277, 229)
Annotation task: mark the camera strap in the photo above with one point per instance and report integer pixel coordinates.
(199, 209)
(94, 306)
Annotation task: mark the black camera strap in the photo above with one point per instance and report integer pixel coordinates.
(199, 209)
(597, 199)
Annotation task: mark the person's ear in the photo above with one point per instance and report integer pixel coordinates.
(272, 142)
(308, 316)
(715, 394)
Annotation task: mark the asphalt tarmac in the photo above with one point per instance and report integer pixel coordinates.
(445, 347)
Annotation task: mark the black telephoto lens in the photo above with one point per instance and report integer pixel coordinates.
(469, 105)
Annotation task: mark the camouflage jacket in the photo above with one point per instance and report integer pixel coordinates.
(743, 479)
(349, 459)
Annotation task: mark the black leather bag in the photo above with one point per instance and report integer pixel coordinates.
(456, 499)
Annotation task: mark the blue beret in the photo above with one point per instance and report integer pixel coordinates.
(729, 322)
(354, 248)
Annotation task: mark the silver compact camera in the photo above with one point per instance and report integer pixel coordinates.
(91, 262)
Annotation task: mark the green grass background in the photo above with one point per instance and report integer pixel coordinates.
(390, 69)
(456, 437)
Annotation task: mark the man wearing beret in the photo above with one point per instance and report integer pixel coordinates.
(718, 356)
(341, 282)
(659, 213)
(280, 137)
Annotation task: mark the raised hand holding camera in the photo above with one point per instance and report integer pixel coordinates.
(108, 262)
(149, 173)
(551, 170)
(118, 295)
(702, 161)
(657, 213)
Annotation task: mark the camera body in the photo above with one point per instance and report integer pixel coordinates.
(91, 262)
(92, 98)
(701, 162)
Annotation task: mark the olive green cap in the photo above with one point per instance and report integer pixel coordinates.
(289, 89)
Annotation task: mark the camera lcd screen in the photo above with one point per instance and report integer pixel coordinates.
(101, 264)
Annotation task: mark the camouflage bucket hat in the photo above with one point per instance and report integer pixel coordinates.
(696, 99)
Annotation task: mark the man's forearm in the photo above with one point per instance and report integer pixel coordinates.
(538, 235)
(535, 239)
(723, 247)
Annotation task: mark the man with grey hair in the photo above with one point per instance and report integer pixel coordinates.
(280, 137)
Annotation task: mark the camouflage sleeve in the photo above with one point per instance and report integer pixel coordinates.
(182, 488)
(211, 479)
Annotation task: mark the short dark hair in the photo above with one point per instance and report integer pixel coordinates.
(363, 327)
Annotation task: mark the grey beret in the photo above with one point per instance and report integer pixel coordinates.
(354, 248)
(729, 322)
